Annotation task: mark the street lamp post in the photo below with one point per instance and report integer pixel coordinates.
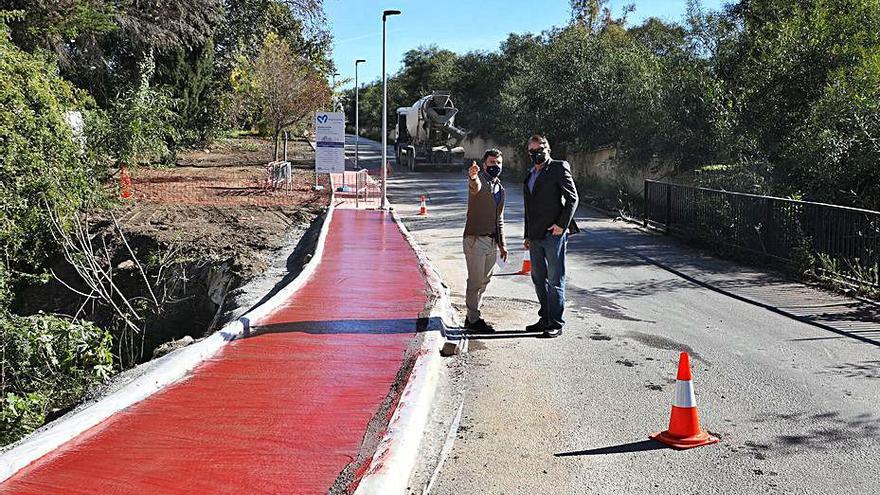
(357, 129)
(334, 103)
(385, 15)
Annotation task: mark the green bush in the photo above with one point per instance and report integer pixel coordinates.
(47, 361)
(41, 162)
(48, 364)
(142, 126)
(741, 177)
(5, 290)
(807, 79)
(20, 415)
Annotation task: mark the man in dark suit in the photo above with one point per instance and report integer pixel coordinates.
(551, 199)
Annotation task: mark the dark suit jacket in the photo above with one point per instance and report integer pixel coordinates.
(553, 201)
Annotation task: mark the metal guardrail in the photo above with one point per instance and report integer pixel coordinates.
(358, 185)
(785, 229)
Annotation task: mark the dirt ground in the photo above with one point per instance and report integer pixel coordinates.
(232, 239)
(216, 201)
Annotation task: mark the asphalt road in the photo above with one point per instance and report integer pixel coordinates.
(796, 406)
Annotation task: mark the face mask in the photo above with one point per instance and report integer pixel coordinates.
(493, 171)
(538, 156)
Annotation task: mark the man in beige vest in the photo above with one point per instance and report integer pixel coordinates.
(483, 234)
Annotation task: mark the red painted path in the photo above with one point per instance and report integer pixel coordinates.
(280, 412)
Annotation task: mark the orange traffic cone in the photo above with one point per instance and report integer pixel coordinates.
(684, 426)
(527, 264)
(423, 208)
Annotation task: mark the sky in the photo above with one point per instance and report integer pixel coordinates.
(457, 25)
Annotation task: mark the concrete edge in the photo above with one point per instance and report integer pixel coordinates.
(252, 317)
(165, 372)
(396, 455)
(154, 379)
(441, 307)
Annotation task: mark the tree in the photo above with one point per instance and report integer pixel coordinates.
(41, 162)
(247, 22)
(596, 16)
(281, 84)
(195, 92)
(805, 74)
(58, 26)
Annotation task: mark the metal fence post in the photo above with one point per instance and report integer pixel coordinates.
(769, 228)
(668, 206)
(645, 203)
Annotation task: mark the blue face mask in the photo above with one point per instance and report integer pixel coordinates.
(493, 171)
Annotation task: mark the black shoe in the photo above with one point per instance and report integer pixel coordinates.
(479, 326)
(552, 332)
(540, 326)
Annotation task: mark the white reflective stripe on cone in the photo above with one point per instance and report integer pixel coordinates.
(684, 394)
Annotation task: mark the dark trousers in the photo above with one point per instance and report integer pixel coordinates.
(548, 275)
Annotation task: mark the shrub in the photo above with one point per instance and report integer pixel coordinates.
(142, 127)
(48, 364)
(807, 76)
(41, 162)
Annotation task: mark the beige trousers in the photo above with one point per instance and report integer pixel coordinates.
(479, 254)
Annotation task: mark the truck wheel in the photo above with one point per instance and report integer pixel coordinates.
(411, 156)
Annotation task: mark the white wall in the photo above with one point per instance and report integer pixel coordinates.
(474, 147)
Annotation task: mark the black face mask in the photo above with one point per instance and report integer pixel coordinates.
(538, 156)
(493, 171)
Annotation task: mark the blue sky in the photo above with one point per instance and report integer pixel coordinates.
(457, 25)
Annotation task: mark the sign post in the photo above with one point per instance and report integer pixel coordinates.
(330, 144)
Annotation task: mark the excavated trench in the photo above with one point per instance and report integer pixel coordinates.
(198, 291)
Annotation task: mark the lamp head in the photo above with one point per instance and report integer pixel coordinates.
(389, 13)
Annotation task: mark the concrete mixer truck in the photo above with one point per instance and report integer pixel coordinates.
(426, 134)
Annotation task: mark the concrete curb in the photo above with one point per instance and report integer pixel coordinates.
(441, 307)
(261, 311)
(159, 374)
(395, 458)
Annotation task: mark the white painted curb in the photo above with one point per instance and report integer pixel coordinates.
(159, 374)
(442, 308)
(288, 290)
(396, 455)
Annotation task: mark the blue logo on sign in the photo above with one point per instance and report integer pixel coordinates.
(322, 118)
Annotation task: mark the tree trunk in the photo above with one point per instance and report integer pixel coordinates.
(277, 132)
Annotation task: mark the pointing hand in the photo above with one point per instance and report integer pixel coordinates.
(474, 170)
